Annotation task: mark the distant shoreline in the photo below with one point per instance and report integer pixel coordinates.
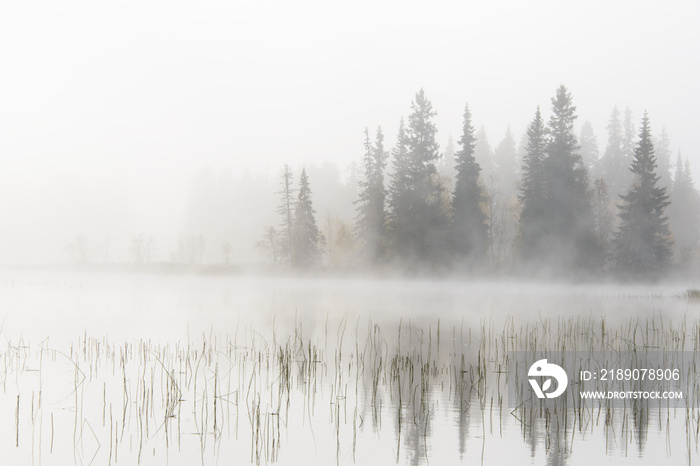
(380, 273)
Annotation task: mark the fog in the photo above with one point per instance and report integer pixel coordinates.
(97, 345)
(268, 232)
(110, 112)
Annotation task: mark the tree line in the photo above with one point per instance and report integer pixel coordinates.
(560, 208)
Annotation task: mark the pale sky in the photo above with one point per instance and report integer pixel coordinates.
(122, 101)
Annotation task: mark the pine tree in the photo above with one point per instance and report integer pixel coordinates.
(469, 227)
(532, 191)
(569, 216)
(306, 237)
(643, 244)
(370, 225)
(286, 211)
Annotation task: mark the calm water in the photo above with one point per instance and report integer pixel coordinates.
(127, 369)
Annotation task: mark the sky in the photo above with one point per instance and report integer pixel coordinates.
(108, 108)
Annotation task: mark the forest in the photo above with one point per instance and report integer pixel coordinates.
(553, 206)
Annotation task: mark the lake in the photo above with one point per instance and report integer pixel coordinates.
(116, 368)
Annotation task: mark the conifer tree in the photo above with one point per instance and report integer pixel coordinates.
(306, 237)
(446, 167)
(532, 191)
(613, 166)
(643, 244)
(370, 226)
(568, 220)
(469, 227)
(589, 146)
(628, 146)
(662, 149)
(399, 194)
(422, 145)
(424, 220)
(483, 153)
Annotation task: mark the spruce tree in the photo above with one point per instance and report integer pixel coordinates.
(662, 150)
(589, 146)
(445, 167)
(399, 195)
(469, 227)
(532, 191)
(613, 166)
(370, 225)
(306, 237)
(569, 217)
(628, 146)
(643, 244)
(426, 222)
(483, 153)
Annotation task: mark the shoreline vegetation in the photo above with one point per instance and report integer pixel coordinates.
(346, 390)
(552, 207)
(549, 205)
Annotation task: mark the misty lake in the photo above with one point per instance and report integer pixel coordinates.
(111, 368)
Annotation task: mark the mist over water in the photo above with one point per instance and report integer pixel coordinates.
(378, 370)
(43, 303)
(303, 232)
